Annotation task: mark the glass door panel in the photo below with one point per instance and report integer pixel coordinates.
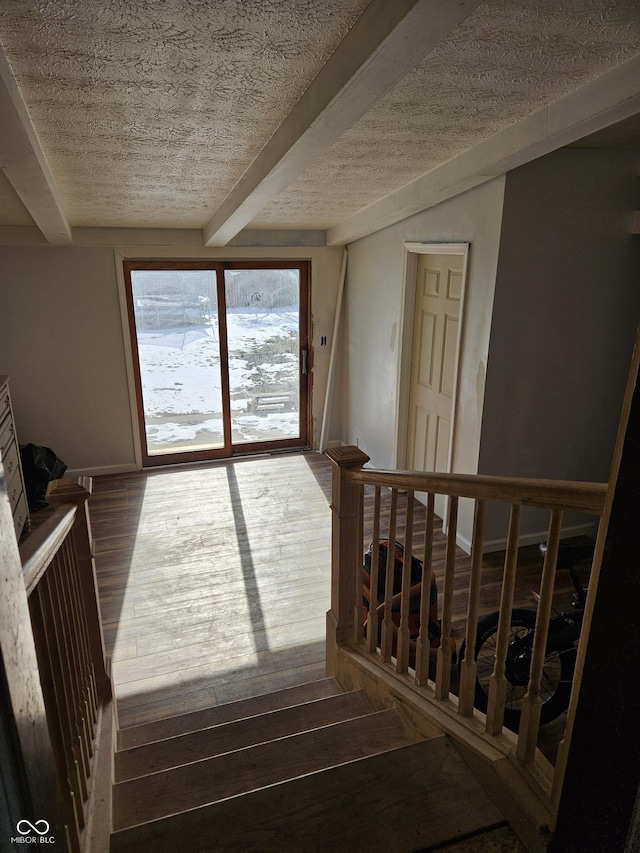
(264, 354)
(178, 344)
(219, 356)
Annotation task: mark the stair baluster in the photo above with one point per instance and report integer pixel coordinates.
(358, 621)
(403, 633)
(423, 650)
(443, 672)
(532, 703)
(372, 619)
(468, 668)
(387, 621)
(498, 681)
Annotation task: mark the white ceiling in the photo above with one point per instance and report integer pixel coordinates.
(332, 115)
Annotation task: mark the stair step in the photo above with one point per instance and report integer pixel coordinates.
(419, 795)
(197, 720)
(192, 785)
(237, 734)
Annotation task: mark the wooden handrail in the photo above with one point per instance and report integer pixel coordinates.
(550, 494)
(37, 551)
(58, 571)
(388, 644)
(77, 490)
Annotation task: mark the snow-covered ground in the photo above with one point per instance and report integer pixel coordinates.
(181, 379)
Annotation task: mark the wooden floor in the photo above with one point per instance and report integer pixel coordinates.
(214, 580)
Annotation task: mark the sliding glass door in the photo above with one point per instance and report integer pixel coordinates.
(220, 357)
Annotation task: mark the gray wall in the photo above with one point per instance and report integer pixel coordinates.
(561, 324)
(566, 308)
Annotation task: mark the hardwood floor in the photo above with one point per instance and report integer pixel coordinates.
(214, 580)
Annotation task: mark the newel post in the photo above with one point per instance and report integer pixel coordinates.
(346, 550)
(77, 490)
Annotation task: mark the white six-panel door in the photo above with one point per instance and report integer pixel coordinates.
(434, 362)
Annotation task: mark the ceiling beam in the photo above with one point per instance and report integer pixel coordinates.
(24, 163)
(609, 98)
(389, 38)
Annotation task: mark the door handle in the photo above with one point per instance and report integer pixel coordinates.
(304, 361)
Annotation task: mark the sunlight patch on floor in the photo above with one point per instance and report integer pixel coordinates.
(245, 571)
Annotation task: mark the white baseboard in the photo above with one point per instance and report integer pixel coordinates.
(462, 542)
(101, 471)
(588, 529)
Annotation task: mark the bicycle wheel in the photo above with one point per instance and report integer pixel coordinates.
(557, 675)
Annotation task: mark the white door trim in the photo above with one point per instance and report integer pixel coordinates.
(437, 248)
(407, 310)
(128, 356)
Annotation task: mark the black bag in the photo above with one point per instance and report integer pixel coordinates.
(416, 571)
(40, 466)
(433, 628)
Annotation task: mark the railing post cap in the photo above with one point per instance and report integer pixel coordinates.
(69, 490)
(349, 456)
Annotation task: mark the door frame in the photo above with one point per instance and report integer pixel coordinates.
(214, 261)
(412, 252)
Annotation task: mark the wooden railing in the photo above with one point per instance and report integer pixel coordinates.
(346, 624)
(59, 575)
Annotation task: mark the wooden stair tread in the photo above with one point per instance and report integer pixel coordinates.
(416, 796)
(196, 720)
(237, 734)
(189, 786)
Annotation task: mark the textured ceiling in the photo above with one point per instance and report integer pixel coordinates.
(504, 62)
(149, 112)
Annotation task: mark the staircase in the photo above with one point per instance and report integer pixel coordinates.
(303, 769)
(390, 760)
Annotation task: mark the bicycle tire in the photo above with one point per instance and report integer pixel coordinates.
(557, 674)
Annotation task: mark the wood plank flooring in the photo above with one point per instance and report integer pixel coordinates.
(214, 580)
